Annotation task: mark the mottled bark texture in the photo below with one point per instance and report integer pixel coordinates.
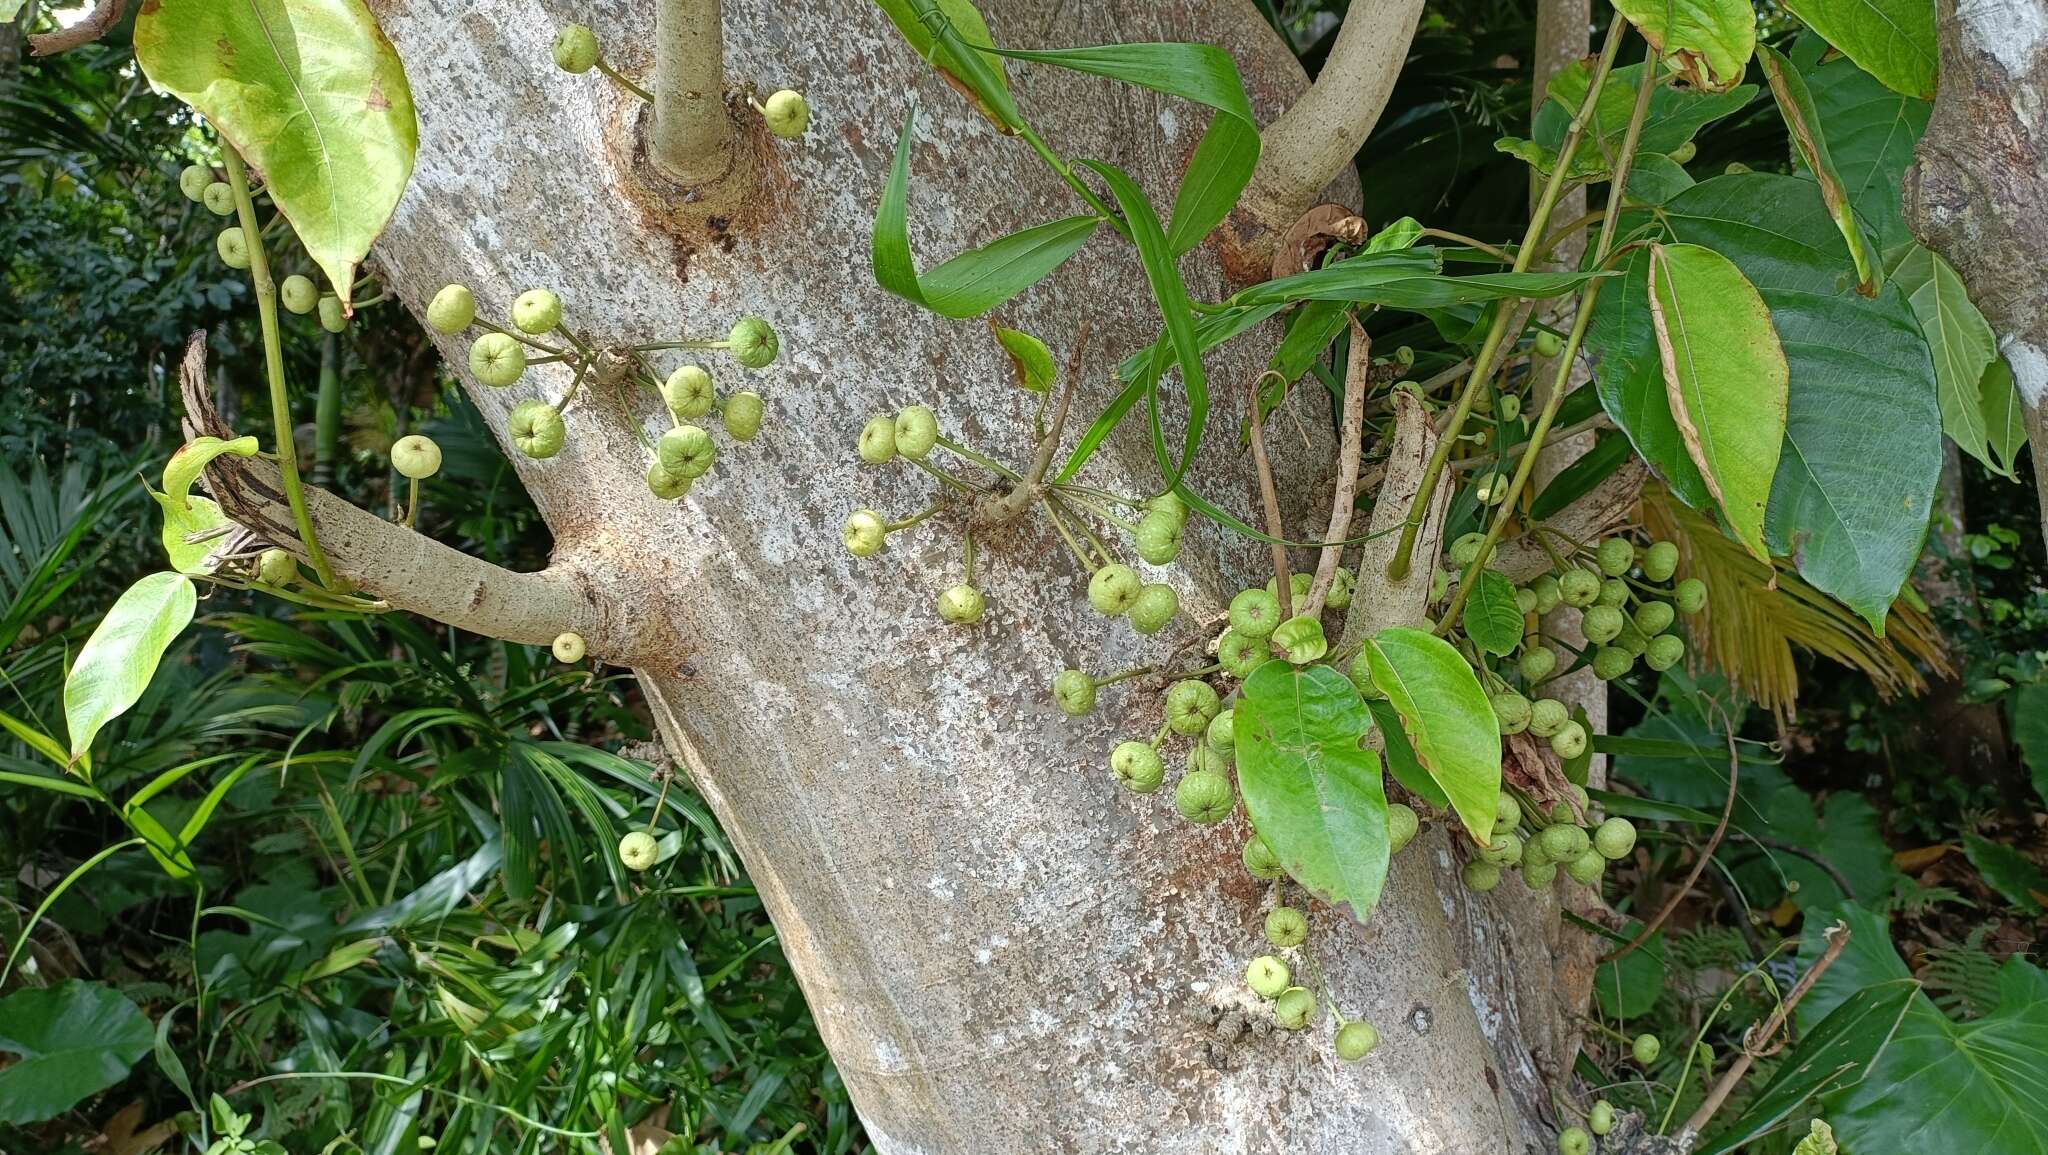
(1978, 194)
(1004, 951)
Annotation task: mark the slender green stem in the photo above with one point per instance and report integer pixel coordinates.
(622, 82)
(942, 475)
(1494, 251)
(981, 459)
(520, 337)
(1561, 381)
(1073, 546)
(967, 563)
(1123, 676)
(1483, 362)
(1074, 182)
(913, 519)
(1091, 507)
(273, 365)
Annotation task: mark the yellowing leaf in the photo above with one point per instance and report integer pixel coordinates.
(1709, 40)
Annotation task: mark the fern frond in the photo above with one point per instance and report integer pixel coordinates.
(1962, 980)
(1756, 613)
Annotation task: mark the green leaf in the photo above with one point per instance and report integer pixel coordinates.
(1862, 453)
(1795, 105)
(1656, 178)
(1217, 173)
(1628, 987)
(2029, 729)
(1029, 357)
(1447, 718)
(195, 517)
(1892, 40)
(1831, 1057)
(1724, 379)
(9, 9)
(2009, 872)
(1171, 294)
(1314, 794)
(1492, 620)
(939, 31)
(1395, 235)
(35, 739)
(1400, 756)
(1405, 279)
(191, 459)
(311, 94)
(1962, 344)
(345, 957)
(73, 1040)
(2005, 415)
(1710, 41)
(1871, 133)
(973, 282)
(118, 661)
(1674, 117)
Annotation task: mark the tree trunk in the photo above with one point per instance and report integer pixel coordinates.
(1003, 950)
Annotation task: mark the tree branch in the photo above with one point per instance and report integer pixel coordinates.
(692, 136)
(1378, 601)
(1357, 382)
(97, 23)
(1315, 139)
(413, 572)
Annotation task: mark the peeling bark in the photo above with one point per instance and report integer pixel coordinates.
(1003, 950)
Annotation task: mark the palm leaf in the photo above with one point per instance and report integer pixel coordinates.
(1756, 613)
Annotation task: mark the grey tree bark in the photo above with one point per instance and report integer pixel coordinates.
(1003, 950)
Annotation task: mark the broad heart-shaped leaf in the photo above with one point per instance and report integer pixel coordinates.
(116, 663)
(1724, 378)
(1832, 1056)
(973, 282)
(1893, 40)
(311, 93)
(1203, 73)
(1492, 619)
(1446, 715)
(1795, 105)
(1862, 444)
(1656, 178)
(1313, 792)
(939, 31)
(1709, 40)
(73, 1040)
(1962, 344)
(1871, 133)
(2009, 872)
(1675, 114)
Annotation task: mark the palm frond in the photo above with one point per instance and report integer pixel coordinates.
(1756, 613)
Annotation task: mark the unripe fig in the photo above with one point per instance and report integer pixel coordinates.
(1190, 706)
(1158, 538)
(1536, 664)
(865, 533)
(1547, 716)
(1644, 1049)
(1301, 638)
(1294, 1009)
(1341, 588)
(1664, 652)
(1653, 618)
(1137, 767)
(1355, 1040)
(193, 180)
(1615, 838)
(1684, 153)
(1222, 732)
(1511, 712)
(1260, 860)
(877, 444)
(1569, 742)
(752, 342)
(1616, 556)
(1491, 489)
(568, 647)
(1204, 797)
(962, 605)
(1402, 823)
(786, 114)
(1611, 662)
(1547, 594)
(1525, 601)
(743, 415)
(1600, 623)
(1578, 588)
(1465, 550)
(1254, 613)
(1505, 849)
(1170, 504)
(686, 451)
(233, 247)
(497, 360)
(536, 429)
(1480, 875)
(1240, 655)
(1267, 976)
(275, 567)
(1537, 875)
(416, 457)
(1156, 606)
(1613, 592)
(917, 431)
(1691, 595)
(1574, 1141)
(1113, 588)
(1560, 843)
(1548, 344)
(638, 851)
(332, 318)
(1203, 756)
(1507, 813)
(1660, 561)
(452, 309)
(1360, 674)
(1286, 926)
(298, 294)
(219, 199)
(689, 393)
(1074, 690)
(1600, 1120)
(1297, 583)
(575, 48)
(536, 311)
(667, 486)
(1587, 868)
